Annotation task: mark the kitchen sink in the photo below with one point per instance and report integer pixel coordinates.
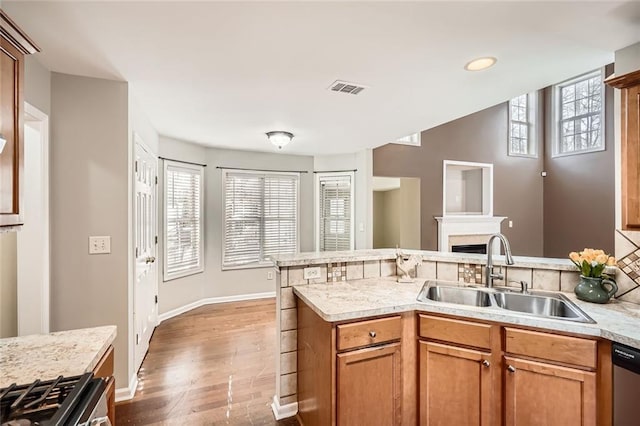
(458, 295)
(540, 304)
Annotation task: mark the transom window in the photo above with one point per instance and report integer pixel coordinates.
(260, 217)
(579, 115)
(522, 126)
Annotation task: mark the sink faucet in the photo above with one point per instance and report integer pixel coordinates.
(489, 274)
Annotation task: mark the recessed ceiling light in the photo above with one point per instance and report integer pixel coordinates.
(480, 63)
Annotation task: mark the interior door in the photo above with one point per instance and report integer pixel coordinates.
(146, 267)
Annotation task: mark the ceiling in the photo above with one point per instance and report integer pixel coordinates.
(224, 73)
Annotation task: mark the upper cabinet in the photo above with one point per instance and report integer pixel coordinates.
(629, 84)
(14, 44)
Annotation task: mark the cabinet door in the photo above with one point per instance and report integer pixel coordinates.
(544, 394)
(10, 131)
(369, 386)
(455, 386)
(631, 158)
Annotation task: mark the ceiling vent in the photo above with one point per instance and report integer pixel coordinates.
(345, 87)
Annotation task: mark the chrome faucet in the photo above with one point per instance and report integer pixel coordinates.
(508, 259)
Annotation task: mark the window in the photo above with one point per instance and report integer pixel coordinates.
(522, 137)
(334, 218)
(260, 217)
(183, 214)
(579, 114)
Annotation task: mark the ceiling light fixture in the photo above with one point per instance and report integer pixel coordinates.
(481, 63)
(279, 138)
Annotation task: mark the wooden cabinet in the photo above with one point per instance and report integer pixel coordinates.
(353, 373)
(458, 377)
(455, 385)
(369, 386)
(104, 369)
(539, 393)
(629, 84)
(14, 44)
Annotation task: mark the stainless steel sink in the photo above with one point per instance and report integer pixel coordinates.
(458, 295)
(540, 304)
(556, 305)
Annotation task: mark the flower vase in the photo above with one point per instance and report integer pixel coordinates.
(592, 289)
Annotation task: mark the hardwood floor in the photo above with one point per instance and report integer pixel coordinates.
(214, 365)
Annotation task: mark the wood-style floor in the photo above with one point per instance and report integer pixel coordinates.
(214, 365)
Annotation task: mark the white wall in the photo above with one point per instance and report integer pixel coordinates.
(627, 59)
(214, 282)
(362, 161)
(8, 285)
(90, 195)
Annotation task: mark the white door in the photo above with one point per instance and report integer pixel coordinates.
(33, 238)
(146, 268)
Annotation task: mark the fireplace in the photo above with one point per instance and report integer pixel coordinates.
(467, 231)
(469, 248)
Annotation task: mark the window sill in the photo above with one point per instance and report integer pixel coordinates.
(259, 265)
(182, 275)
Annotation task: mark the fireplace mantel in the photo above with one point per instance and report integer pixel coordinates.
(466, 225)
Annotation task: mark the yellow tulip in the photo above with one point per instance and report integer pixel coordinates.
(602, 258)
(574, 256)
(611, 261)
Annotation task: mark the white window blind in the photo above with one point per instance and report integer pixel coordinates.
(183, 220)
(260, 217)
(336, 212)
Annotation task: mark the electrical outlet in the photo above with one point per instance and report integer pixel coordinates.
(510, 224)
(100, 245)
(311, 273)
(269, 275)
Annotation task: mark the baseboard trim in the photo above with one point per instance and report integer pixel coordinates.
(283, 411)
(125, 394)
(213, 300)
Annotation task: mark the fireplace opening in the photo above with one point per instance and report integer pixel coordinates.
(469, 248)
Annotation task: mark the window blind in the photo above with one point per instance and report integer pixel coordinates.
(183, 220)
(335, 213)
(260, 217)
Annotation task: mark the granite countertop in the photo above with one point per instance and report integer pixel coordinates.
(313, 258)
(47, 356)
(347, 300)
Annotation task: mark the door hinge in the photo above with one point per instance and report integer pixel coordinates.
(156, 180)
(136, 251)
(137, 339)
(156, 299)
(135, 166)
(156, 239)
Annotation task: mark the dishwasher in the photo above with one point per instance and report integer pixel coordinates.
(626, 382)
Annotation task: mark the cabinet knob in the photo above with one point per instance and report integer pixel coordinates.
(511, 369)
(486, 363)
(372, 334)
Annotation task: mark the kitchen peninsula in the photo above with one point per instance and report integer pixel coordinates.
(365, 320)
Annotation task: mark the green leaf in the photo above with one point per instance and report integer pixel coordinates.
(597, 270)
(586, 268)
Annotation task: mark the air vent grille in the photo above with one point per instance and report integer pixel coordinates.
(345, 87)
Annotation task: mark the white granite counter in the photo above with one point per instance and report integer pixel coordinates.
(616, 321)
(47, 356)
(314, 258)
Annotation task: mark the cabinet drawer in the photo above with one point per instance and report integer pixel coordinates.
(563, 349)
(456, 331)
(368, 332)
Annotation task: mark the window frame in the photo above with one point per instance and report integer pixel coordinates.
(532, 134)
(556, 111)
(318, 178)
(166, 275)
(263, 263)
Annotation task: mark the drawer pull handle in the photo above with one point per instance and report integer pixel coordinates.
(486, 363)
(372, 334)
(511, 369)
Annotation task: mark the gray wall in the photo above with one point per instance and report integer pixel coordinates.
(8, 285)
(628, 59)
(90, 196)
(479, 137)
(214, 282)
(579, 192)
(37, 84)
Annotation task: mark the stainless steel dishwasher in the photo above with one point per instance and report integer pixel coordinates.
(626, 382)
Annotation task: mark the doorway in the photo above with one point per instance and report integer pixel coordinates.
(396, 212)
(145, 301)
(32, 245)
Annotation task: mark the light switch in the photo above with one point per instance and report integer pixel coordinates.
(361, 227)
(510, 224)
(99, 245)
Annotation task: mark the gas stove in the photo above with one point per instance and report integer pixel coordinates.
(78, 400)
